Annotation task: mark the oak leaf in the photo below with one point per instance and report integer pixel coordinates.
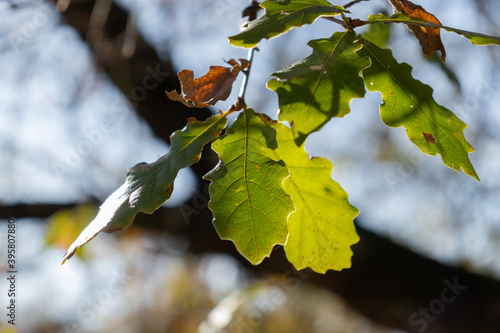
(321, 86)
(282, 16)
(247, 199)
(475, 38)
(214, 86)
(429, 37)
(148, 186)
(408, 102)
(321, 228)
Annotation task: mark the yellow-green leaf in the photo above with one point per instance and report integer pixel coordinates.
(321, 229)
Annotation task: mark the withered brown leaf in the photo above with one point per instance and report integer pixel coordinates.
(429, 37)
(214, 86)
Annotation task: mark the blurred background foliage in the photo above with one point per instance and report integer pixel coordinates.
(82, 99)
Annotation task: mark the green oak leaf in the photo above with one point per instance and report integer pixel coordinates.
(248, 203)
(319, 87)
(408, 102)
(282, 16)
(321, 229)
(474, 37)
(147, 186)
(378, 33)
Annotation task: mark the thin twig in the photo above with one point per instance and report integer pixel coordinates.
(251, 12)
(353, 3)
(240, 103)
(333, 19)
(244, 84)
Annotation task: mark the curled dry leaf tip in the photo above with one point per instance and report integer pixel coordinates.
(214, 86)
(429, 37)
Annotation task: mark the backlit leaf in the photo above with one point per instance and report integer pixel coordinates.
(474, 37)
(149, 185)
(409, 103)
(214, 86)
(320, 87)
(321, 229)
(249, 205)
(280, 17)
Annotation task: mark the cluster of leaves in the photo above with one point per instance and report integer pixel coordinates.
(266, 190)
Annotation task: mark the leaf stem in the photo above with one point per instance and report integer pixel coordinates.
(353, 3)
(251, 12)
(347, 22)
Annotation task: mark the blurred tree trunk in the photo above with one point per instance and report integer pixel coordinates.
(387, 282)
(136, 69)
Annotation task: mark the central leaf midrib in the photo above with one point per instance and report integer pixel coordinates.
(417, 103)
(169, 158)
(245, 179)
(322, 72)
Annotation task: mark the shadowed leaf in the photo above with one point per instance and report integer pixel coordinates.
(319, 87)
(149, 185)
(280, 17)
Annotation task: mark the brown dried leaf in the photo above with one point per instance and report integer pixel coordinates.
(429, 37)
(212, 87)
